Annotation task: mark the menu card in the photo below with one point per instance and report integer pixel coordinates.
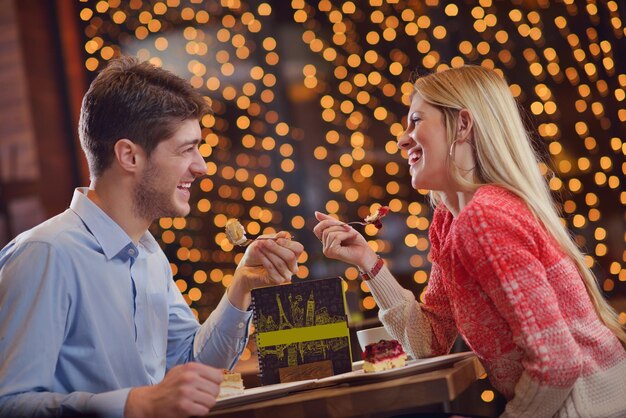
(301, 330)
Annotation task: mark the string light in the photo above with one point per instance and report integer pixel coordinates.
(353, 70)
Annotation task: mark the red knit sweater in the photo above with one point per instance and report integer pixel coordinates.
(502, 282)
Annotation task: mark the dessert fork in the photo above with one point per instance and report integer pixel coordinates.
(356, 223)
(249, 241)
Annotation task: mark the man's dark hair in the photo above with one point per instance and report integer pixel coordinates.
(133, 100)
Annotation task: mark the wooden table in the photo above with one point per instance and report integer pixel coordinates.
(376, 399)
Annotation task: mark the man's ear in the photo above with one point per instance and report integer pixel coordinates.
(128, 155)
(465, 123)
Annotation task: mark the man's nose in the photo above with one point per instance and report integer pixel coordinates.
(198, 166)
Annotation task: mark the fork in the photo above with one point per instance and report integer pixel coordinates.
(377, 223)
(249, 241)
(357, 223)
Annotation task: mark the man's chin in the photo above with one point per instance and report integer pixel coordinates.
(181, 210)
(174, 211)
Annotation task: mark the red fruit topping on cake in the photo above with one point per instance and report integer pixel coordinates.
(375, 218)
(383, 355)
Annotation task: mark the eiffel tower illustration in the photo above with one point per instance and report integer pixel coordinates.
(283, 322)
(310, 311)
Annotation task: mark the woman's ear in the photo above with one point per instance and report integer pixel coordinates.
(128, 155)
(465, 124)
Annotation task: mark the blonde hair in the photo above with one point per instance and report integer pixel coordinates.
(504, 156)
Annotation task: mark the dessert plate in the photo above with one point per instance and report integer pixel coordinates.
(412, 366)
(262, 393)
(356, 376)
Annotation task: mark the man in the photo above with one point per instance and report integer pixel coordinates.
(91, 322)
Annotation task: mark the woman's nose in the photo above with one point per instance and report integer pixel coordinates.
(404, 140)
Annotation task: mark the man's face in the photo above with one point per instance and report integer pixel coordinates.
(175, 163)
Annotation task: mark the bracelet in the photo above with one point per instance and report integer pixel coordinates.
(374, 270)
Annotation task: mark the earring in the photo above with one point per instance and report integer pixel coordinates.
(452, 154)
(453, 149)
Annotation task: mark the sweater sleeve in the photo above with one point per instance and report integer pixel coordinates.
(424, 329)
(501, 250)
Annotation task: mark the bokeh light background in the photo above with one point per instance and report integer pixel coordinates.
(309, 96)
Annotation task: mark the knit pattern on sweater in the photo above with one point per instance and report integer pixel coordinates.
(502, 282)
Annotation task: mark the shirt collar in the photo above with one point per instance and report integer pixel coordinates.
(111, 237)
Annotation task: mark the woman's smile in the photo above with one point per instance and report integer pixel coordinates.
(415, 154)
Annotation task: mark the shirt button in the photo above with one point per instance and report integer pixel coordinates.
(240, 325)
(131, 251)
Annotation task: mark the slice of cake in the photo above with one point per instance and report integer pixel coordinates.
(383, 355)
(231, 386)
(235, 232)
(376, 218)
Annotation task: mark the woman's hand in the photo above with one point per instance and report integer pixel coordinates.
(342, 242)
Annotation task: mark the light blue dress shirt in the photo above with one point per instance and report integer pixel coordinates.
(85, 315)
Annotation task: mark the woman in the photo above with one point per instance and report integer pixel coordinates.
(505, 273)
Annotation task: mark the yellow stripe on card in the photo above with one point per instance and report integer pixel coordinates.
(299, 335)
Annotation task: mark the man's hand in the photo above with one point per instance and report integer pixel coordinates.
(265, 263)
(187, 390)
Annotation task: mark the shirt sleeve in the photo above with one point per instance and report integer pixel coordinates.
(501, 251)
(34, 303)
(218, 342)
(223, 336)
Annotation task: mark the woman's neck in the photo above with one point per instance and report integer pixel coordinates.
(456, 201)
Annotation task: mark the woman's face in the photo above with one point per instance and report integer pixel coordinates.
(425, 141)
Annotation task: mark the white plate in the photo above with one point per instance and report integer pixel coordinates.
(411, 367)
(357, 375)
(262, 393)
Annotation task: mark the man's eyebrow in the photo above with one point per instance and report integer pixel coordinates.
(188, 142)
